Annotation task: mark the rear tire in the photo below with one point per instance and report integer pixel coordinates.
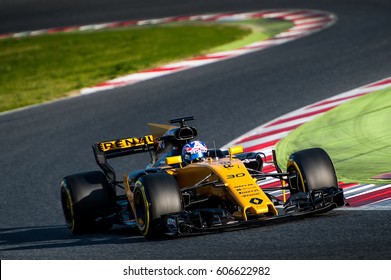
(314, 170)
(84, 198)
(155, 195)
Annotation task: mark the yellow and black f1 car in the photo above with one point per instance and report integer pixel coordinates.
(189, 189)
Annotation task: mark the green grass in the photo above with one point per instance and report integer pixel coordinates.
(356, 135)
(37, 69)
(262, 29)
(47, 67)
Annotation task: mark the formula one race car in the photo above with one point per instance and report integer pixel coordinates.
(189, 189)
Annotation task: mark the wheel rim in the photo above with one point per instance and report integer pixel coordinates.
(67, 207)
(141, 211)
(298, 184)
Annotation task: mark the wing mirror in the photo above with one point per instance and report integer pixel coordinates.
(173, 160)
(235, 150)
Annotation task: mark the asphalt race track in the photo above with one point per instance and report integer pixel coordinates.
(40, 145)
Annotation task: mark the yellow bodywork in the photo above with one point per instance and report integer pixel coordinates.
(235, 184)
(239, 187)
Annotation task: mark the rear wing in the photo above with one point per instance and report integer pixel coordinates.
(126, 146)
(121, 147)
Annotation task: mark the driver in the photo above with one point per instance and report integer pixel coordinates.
(194, 151)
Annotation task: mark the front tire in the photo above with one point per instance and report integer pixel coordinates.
(84, 198)
(310, 170)
(313, 182)
(155, 195)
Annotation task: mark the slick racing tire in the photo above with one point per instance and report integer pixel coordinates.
(310, 170)
(85, 197)
(155, 195)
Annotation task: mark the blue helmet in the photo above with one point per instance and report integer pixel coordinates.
(193, 151)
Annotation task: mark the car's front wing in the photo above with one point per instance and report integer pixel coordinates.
(216, 220)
